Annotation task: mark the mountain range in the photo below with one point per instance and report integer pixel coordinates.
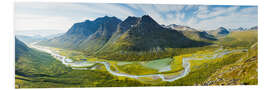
(110, 35)
(36, 38)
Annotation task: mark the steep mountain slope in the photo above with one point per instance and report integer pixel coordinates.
(102, 28)
(102, 35)
(75, 35)
(148, 36)
(121, 28)
(199, 36)
(30, 62)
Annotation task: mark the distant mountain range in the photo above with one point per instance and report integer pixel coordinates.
(35, 38)
(243, 29)
(180, 27)
(110, 35)
(221, 31)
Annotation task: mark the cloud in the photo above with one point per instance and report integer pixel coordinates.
(61, 16)
(41, 22)
(163, 14)
(234, 19)
(204, 12)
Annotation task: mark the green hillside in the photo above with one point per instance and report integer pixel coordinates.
(239, 39)
(242, 72)
(36, 69)
(136, 47)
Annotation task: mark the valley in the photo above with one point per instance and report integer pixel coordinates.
(158, 71)
(108, 52)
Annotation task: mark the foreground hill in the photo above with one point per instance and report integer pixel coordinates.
(245, 70)
(242, 72)
(30, 62)
(36, 69)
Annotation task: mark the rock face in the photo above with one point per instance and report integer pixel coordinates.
(147, 35)
(106, 29)
(127, 23)
(83, 28)
(80, 33)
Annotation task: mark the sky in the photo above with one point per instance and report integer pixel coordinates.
(61, 16)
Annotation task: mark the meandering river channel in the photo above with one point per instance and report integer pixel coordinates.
(186, 64)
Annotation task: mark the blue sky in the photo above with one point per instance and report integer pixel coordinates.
(61, 16)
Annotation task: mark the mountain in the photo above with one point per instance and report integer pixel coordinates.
(254, 28)
(95, 41)
(199, 36)
(36, 38)
(111, 36)
(20, 48)
(121, 28)
(192, 33)
(146, 35)
(180, 27)
(99, 29)
(29, 39)
(221, 31)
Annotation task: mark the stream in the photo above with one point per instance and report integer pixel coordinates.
(68, 62)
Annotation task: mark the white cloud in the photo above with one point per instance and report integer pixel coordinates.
(234, 20)
(204, 12)
(61, 16)
(41, 22)
(168, 8)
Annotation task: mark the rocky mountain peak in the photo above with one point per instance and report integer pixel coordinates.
(222, 30)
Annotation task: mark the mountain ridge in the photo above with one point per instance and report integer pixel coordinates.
(134, 34)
